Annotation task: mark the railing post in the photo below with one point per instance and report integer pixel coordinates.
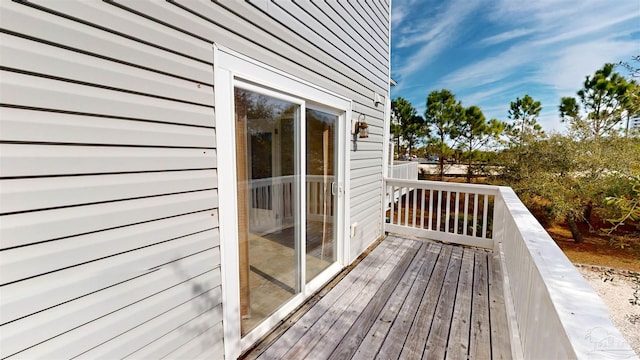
(499, 208)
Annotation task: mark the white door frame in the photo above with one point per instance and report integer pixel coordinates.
(229, 68)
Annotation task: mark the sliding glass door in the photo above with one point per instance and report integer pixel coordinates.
(320, 186)
(286, 184)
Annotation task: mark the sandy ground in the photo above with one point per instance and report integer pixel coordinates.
(616, 293)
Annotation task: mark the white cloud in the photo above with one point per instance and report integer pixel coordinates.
(488, 70)
(506, 36)
(477, 97)
(433, 37)
(549, 119)
(587, 26)
(555, 64)
(554, 44)
(398, 14)
(565, 72)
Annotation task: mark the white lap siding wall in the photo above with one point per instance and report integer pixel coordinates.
(109, 242)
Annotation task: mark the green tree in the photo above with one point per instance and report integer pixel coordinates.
(522, 131)
(475, 132)
(411, 126)
(594, 119)
(524, 127)
(443, 115)
(621, 208)
(600, 105)
(632, 106)
(565, 179)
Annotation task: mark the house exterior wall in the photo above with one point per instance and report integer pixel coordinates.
(109, 241)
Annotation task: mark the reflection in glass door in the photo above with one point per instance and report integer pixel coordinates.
(321, 140)
(286, 202)
(268, 220)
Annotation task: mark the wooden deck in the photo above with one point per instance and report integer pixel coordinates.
(407, 299)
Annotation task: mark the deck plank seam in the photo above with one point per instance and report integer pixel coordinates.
(425, 309)
(320, 326)
(455, 300)
(435, 308)
(372, 310)
(391, 308)
(454, 267)
(274, 350)
(421, 280)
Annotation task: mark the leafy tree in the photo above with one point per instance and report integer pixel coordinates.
(523, 131)
(524, 127)
(625, 207)
(396, 132)
(567, 179)
(600, 105)
(546, 181)
(570, 178)
(473, 133)
(593, 119)
(443, 115)
(411, 127)
(632, 106)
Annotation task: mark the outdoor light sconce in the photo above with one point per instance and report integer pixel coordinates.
(361, 128)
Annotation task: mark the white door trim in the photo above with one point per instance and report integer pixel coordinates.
(229, 67)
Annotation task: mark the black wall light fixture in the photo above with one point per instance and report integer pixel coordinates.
(361, 128)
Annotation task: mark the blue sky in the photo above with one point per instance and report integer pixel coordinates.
(489, 52)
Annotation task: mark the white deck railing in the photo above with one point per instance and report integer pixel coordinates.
(406, 170)
(272, 201)
(457, 213)
(555, 313)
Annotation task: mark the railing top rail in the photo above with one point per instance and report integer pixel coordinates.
(446, 186)
(578, 307)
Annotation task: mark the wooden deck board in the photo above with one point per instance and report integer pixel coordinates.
(342, 309)
(500, 345)
(399, 331)
(349, 343)
(374, 339)
(415, 343)
(480, 342)
(406, 299)
(440, 327)
(361, 273)
(458, 343)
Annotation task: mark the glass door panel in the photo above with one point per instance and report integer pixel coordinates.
(321, 140)
(268, 220)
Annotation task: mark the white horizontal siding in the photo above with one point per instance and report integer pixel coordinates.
(19, 195)
(202, 346)
(309, 27)
(24, 125)
(66, 284)
(44, 26)
(113, 19)
(108, 201)
(223, 25)
(22, 262)
(160, 335)
(28, 228)
(107, 314)
(108, 180)
(366, 173)
(42, 160)
(36, 57)
(43, 93)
